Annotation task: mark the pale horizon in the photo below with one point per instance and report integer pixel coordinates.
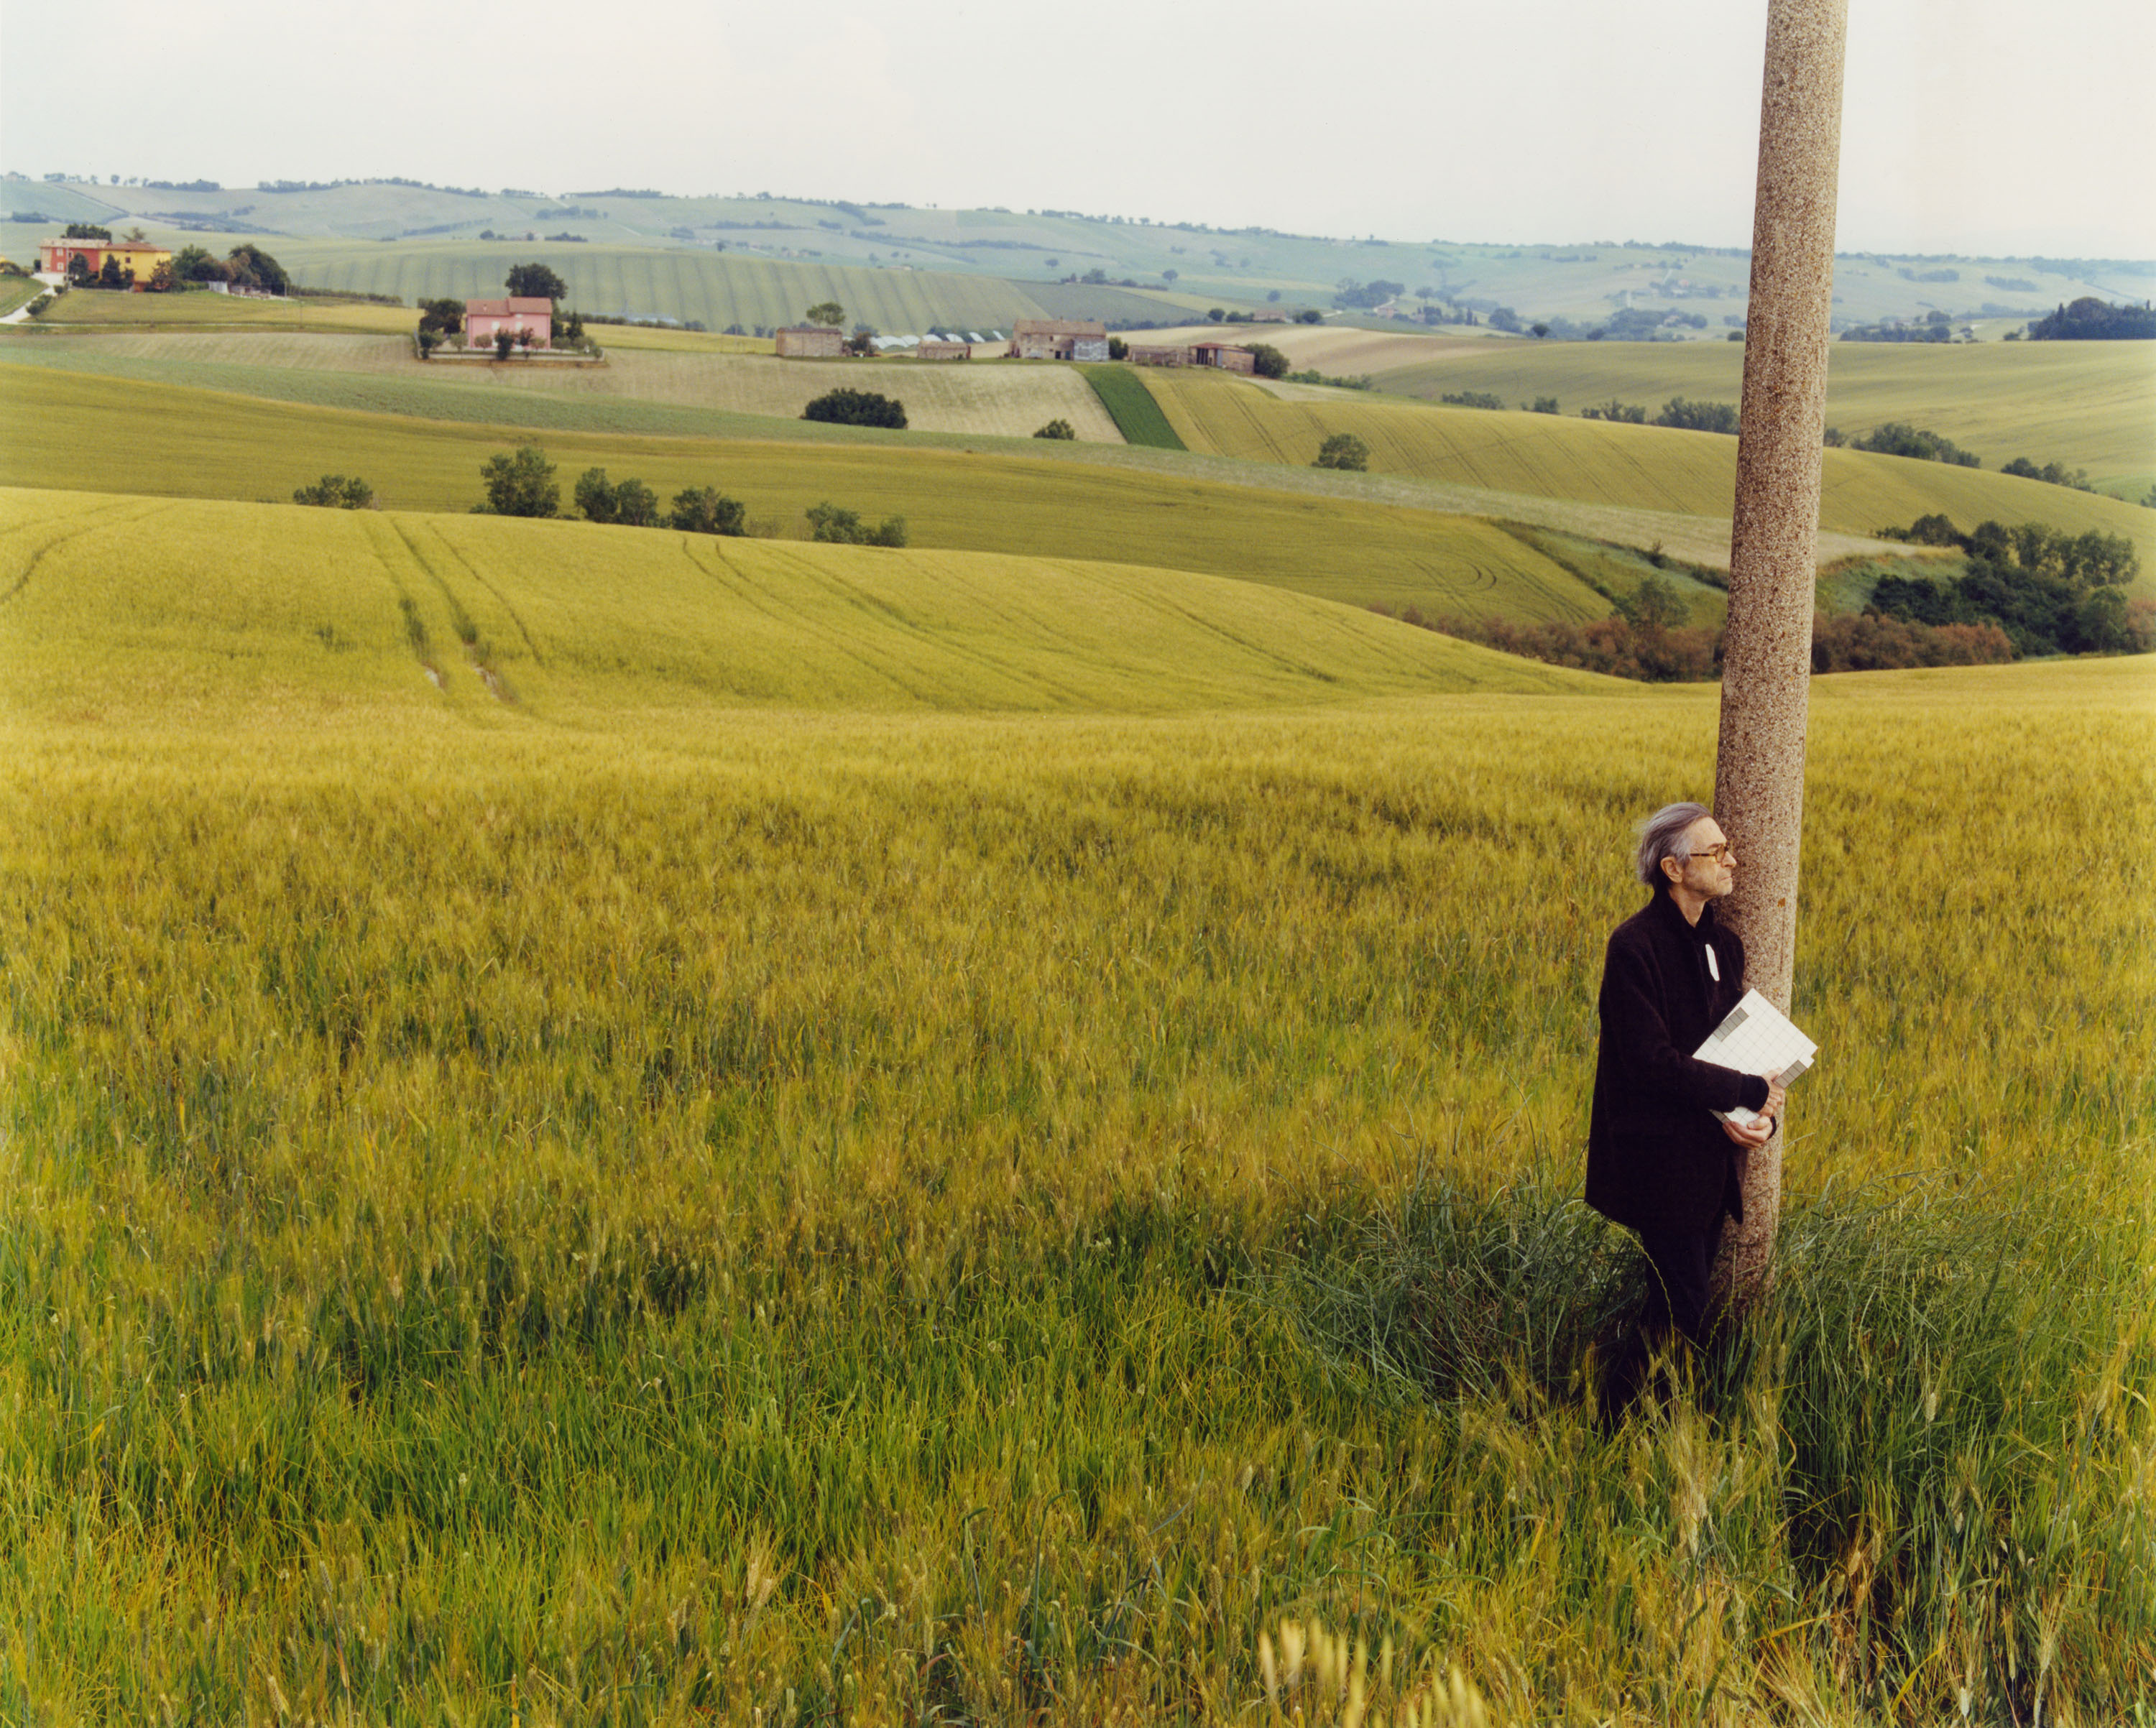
(1966, 131)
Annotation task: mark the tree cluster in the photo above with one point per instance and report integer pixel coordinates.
(1897, 438)
(1343, 450)
(827, 521)
(1363, 295)
(524, 484)
(857, 407)
(247, 265)
(1267, 361)
(2090, 320)
(1626, 413)
(626, 504)
(441, 317)
(2052, 473)
(1057, 428)
(1699, 416)
(2050, 593)
(1472, 399)
(535, 281)
(336, 491)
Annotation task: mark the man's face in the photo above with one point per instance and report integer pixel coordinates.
(1710, 871)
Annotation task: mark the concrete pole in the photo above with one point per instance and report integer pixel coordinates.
(1766, 670)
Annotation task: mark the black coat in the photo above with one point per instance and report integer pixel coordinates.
(1657, 1159)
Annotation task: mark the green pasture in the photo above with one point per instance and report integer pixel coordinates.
(194, 443)
(1137, 416)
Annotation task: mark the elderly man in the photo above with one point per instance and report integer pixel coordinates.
(1659, 1160)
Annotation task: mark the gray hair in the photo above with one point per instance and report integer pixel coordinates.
(1661, 836)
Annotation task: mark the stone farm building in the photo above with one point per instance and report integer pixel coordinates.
(54, 256)
(810, 341)
(1228, 356)
(944, 350)
(515, 314)
(1058, 339)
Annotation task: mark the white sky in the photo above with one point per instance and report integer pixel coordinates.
(1982, 126)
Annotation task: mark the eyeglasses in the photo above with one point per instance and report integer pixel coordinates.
(1719, 852)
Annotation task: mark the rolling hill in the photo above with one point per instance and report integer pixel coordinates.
(1018, 498)
(110, 600)
(1008, 401)
(2087, 405)
(1686, 474)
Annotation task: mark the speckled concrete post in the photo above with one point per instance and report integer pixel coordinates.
(1759, 769)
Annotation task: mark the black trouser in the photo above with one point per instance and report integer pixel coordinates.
(1678, 1266)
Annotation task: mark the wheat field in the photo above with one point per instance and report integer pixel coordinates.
(797, 1215)
(913, 1191)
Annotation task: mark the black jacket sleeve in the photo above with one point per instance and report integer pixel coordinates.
(1632, 1020)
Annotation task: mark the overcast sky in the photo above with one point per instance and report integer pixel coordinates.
(1970, 125)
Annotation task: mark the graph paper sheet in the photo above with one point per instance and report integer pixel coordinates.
(1756, 1038)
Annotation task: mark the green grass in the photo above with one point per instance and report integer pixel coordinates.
(598, 1215)
(1138, 415)
(960, 493)
(18, 291)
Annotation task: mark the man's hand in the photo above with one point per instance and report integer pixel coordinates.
(1776, 1093)
(1756, 1135)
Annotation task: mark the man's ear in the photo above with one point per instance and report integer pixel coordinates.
(1671, 870)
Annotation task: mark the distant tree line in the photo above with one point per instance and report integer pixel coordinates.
(1643, 646)
(1934, 327)
(523, 482)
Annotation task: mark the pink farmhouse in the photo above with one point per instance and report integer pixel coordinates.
(521, 313)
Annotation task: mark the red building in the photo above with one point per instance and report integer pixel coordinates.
(515, 314)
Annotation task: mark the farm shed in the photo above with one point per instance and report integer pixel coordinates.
(810, 342)
(1146, 354)
(944, 350)
(515, 314)
(54, 257)
(1226, 356)
(1058, 339)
